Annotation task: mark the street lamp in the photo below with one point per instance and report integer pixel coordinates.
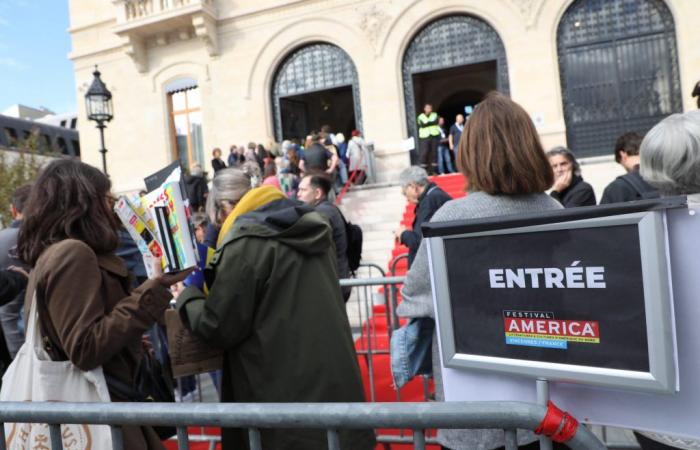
(98, 103)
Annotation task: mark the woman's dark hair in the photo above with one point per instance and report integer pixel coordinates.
(69, 200)
(293, 158)
(500, 151)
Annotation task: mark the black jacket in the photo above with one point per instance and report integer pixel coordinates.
(628, 188)
(430, 201)
(217, 164)
(331, 212)
(11, 284)
(197, 191)
(579, 193)
(316, 157)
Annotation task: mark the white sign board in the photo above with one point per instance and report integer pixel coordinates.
(408, 144)
(676, 414)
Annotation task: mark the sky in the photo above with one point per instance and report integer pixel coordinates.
(34, 46)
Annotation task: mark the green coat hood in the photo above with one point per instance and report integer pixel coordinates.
(288, 221)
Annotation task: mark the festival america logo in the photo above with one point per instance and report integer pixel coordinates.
(542, 329)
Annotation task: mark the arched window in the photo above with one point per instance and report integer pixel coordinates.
(315, 85)
(451, 63)
(618, 66)
(185, 114)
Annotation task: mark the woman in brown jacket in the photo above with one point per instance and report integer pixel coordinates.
(87, 313)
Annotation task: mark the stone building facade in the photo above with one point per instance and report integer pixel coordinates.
(191, 75)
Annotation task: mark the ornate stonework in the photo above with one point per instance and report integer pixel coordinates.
(372, 21)
(530, 10)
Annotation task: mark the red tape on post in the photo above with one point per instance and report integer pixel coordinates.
(558, 425)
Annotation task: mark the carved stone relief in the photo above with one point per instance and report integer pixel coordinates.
(372, 22)
(530, 10)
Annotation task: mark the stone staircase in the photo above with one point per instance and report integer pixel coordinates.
(378, 210)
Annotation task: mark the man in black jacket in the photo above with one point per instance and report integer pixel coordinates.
(569, 188)
(313, 190)
(631, 186)
(427, 197)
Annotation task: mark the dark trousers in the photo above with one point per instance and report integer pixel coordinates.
(428, 153)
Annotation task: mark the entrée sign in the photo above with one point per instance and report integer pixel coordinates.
(567, 301)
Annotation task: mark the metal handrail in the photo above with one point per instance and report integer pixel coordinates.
(349, 183)
(378, 281)
(330, 416)
(395, 261)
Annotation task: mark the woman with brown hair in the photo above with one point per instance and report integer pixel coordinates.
(81, 288)
(501, 155)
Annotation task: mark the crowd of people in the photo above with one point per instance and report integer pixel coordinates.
(273, 247)
(283, 166)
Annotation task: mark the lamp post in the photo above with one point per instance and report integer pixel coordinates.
(98, 104)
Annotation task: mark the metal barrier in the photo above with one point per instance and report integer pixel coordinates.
(395, 261)
(331, 417)
(367, 344)
(365, 301)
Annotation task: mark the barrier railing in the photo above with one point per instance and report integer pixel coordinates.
(364, 296)
(409, 420)
(330, 417)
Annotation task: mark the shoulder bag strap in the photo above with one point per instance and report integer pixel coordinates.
(49, 336)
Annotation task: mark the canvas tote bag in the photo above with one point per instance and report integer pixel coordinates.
(34, 377)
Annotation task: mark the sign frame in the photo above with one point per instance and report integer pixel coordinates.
(662, 376)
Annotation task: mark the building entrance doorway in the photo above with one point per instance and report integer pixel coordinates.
(315, 85)
(451, 90)
(301, 114)
(451, 63)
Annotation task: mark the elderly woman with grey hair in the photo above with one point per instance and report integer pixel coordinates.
(670, 161)
(670, 155)
(569, 188)
(274, 306)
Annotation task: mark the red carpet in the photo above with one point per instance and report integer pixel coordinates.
(455, 186)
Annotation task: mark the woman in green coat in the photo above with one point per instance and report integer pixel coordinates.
(274, 305)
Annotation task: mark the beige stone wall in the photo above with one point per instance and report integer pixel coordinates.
(254, 36)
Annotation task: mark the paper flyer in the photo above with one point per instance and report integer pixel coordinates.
(141, 234)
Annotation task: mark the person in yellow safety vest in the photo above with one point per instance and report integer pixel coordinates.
(429, 138)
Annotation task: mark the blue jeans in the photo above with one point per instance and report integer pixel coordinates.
(411, 350)
(444, 160)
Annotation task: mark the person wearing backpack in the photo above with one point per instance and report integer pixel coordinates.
(631, 186)
(313, 190)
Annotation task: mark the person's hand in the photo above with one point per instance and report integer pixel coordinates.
(168, 279)
(19, 270)
(399, 232)
(563, 181)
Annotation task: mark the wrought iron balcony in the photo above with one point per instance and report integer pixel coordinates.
(161, 21)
